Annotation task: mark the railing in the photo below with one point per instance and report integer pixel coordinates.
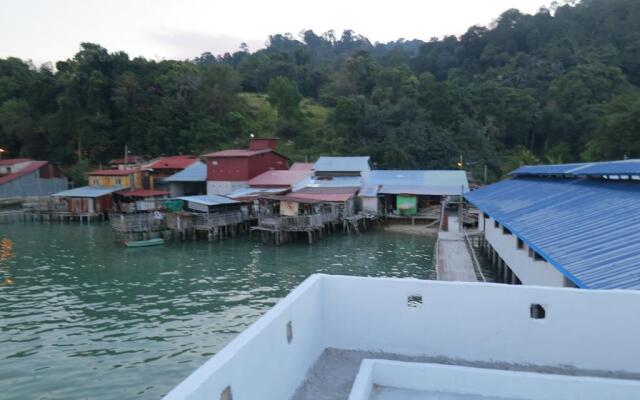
(208, 221)
(143, 222)
(296, 223)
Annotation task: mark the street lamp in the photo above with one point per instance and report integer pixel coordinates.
(1, 151)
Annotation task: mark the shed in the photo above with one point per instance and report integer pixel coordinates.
(390, 191)
(209, 203)
(25, 177)
(88, 199)
(231, 169)
(190, 181)
(342, 166)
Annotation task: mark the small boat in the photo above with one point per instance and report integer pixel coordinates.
(144, 243)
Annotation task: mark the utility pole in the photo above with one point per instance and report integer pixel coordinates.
(485, 174)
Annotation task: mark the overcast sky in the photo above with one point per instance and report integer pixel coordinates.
(51, 30)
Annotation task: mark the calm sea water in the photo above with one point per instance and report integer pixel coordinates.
(85, 318)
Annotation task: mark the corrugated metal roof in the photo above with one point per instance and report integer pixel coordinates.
(588, 229)
(12, 161)
(300, 166)
(113, 172)
(419, 182)
(369, 191)
(625, 167)
(279, 178)
(196, 172)
(30, 168)
(131, 159)
(319, 197)
(554, 169)
(342, 181)
(237, 153)
(342, 164)
(253, 192)
(142, 193)
(208, 200)
(89, 191)
(172, 162)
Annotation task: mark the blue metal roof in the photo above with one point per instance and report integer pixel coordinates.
(89, 191)
(196, 172)
(342, 164)
(588, 229)
(555, 169)
(208, 200)
(426, 182)
(625, 167)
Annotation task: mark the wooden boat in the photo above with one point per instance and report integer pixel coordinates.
(144, 243)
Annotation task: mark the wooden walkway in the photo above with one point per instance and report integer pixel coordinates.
(453, 261)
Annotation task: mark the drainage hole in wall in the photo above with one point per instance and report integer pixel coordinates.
(537, 311)
(226, 394)
(289, 332)
(414, 301)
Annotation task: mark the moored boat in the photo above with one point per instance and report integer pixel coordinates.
(144, 243)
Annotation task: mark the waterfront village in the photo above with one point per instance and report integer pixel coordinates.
(544, 228)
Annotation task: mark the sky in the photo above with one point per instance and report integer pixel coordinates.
(52, 30)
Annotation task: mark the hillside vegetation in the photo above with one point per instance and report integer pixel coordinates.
(557, 86)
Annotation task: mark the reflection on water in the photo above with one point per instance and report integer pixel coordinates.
(87, 318)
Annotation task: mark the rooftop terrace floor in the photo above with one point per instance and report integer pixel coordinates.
(387, 393)
(334, 372)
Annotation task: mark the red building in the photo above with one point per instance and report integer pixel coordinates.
(228, 170)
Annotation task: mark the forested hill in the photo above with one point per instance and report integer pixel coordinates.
(557, 86)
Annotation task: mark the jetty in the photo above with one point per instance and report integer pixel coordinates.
(454, 257)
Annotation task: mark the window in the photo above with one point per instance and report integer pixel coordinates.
(118, 181)
(506, 231)
(520, 244)
(95, 181)
(496, 224)
(485, 215)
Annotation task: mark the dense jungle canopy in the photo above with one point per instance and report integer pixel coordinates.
(557, 86)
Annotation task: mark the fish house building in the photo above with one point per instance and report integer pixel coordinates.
(573, 225)
(23, 177)
(190, 181)
(228, 170)
(410, 192)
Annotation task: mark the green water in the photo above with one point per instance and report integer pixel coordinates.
(86, 318)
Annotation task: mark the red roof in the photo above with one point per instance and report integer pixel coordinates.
(319, 197)
(237, 153)
(11, 161)
(142, 193)
(130, 160)
(113, 172)
(279, 178)
(34, 166)
(301, 166)
(173, 162)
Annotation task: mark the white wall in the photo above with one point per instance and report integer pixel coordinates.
(528, 270)
(370, 204)
(453, 379)
(224, 187)
(587, 329)
(260, 363)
